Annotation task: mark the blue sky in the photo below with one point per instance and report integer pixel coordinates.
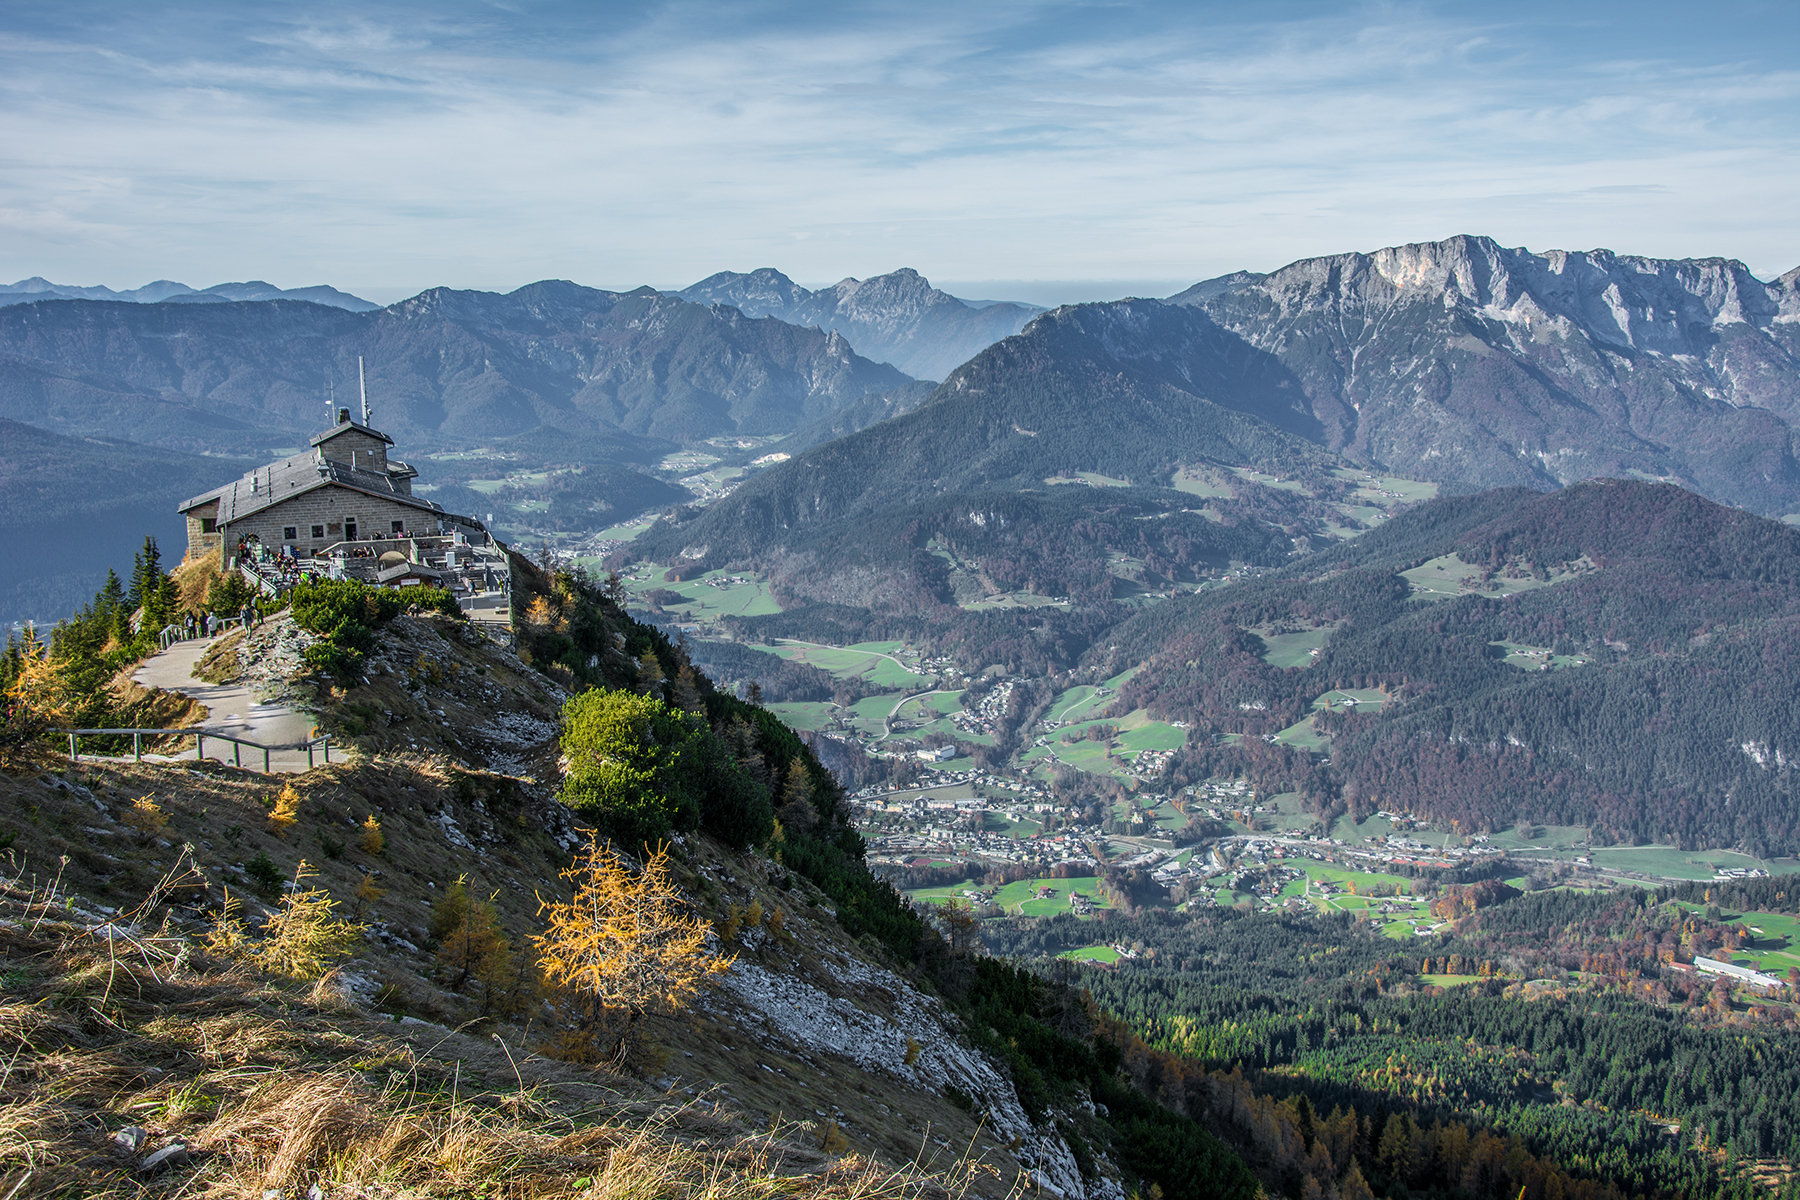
(1044, 150)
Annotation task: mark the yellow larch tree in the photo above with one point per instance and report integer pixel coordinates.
(623, 947)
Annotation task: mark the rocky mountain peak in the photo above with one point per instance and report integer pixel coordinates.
(898, 318)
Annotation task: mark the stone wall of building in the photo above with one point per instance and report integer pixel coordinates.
(357, 449)
(199, 538)
(331, 508)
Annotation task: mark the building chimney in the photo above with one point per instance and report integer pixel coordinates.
(343, 415)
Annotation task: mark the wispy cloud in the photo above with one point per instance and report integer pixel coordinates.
(657, 142)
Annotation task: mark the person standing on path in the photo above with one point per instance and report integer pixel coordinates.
(248, 616)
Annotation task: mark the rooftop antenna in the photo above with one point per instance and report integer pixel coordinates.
(331, 401)
(364, 386)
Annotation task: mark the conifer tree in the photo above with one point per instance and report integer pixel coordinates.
(649, 675)
(797, 813)
(623, 947)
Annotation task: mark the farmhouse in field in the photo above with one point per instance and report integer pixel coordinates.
(346, 490)
(1713, 966)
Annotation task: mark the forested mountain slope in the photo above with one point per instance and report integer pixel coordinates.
(1618, 653)
(445, 367)
(897, 318)
(1131, 391)
(59, 531)
(1464, 360)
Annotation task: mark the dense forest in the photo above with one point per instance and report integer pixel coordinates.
(1677, 727)
(1596, 1065)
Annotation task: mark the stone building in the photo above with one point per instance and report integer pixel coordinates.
(346, 490)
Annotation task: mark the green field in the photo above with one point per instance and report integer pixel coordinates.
(1304, 735)
(1072, 704)
(628, 531)
(807, 716)
(1318, 872)
(1444, 576)
(873, 662)
(1294, 649)
(1091, 478)
(1255, 476)
(1198, 481)
(1013, 600)
(1567, 840)
(1536, 658)
(1449, 980)
(1103, 954)
(1367, 700)
(1776, 948)
(1137, 732)
(1398, 925)
(703, 600)
(1016, 898)
(1666, 862)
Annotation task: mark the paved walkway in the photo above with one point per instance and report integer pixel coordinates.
(231, 710)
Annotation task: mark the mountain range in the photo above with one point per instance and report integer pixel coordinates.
(897, 318)
(1458, 362)
(70, 507)
(1464, 360)
(444, 368)
(167, 291)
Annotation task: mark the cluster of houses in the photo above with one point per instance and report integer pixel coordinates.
(987, 711)
(955, 826)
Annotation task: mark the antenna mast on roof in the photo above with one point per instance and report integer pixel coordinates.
(331, 402)
(362, 384)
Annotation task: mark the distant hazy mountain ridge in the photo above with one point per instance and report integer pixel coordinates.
(165, 291)
(897, 318)
(444, 365)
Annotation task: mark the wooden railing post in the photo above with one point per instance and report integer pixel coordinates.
(72, 754)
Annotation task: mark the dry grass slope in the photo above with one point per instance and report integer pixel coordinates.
(121, 1040)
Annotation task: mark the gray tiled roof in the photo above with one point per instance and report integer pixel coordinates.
(346, 427)
(277, 482)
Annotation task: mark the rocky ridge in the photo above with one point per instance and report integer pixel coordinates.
(897, 318)
(1468, 361)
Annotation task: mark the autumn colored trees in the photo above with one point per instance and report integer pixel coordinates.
(624, 946)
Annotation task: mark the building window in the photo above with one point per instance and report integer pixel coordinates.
(290, 533)
(209, 525)
(399, 526)
(318, 531)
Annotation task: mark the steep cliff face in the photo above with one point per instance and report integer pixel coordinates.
(897, 318)
(1465, 360)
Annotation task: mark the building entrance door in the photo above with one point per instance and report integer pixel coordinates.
(350, 529)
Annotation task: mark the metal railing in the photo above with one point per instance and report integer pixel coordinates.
(169, 635)
(256, 577)
(321, 744)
